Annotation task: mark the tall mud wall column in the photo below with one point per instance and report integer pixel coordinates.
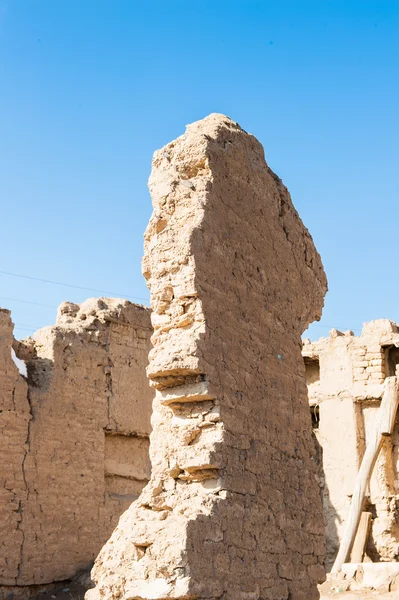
(232, 510)
(15, 420)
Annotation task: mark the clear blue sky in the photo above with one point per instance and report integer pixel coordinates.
(90, 88)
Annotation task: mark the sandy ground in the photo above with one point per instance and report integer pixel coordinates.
(330, 591)
(67, 590)
(76, 591)
(361, 596)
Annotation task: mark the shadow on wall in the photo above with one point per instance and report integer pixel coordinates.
(75, 413)
(330, 514)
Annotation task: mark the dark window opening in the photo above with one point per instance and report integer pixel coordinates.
(315, 414)
(312, 370)
(391, 361)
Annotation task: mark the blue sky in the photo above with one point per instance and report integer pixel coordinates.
(90, 88)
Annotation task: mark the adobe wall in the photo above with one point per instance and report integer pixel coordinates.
(347, 393)
(73, 437)
(233, 509)
(15, 418)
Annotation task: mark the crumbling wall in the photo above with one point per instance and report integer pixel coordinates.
(348, 396)
(15, 420)
(232, 510)
(75, 437)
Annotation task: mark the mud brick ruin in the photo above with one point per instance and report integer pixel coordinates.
(233, 508)
(73, 438)
(345, 376)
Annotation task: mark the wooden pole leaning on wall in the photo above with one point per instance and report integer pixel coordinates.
(384, 427)
(361, 537)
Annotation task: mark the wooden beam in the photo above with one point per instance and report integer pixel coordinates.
(359, 545)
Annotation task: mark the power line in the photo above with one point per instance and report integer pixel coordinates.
(78, 287)
(70, 285)
(330, 327)
(27, 302)
(339, 328)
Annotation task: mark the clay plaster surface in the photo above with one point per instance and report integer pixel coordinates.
(73, 437)
(352, 373)
(232, 510)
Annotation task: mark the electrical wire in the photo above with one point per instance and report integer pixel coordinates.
(27, 302)
(70, 285)
(104, 292)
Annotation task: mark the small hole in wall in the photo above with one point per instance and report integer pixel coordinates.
(312, 370)
(315, 414)
(141, 550)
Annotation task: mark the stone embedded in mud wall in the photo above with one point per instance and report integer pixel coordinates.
(73, 437)
(232, 509)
